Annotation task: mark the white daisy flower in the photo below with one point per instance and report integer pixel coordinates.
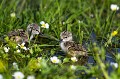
(13, 15)
(18, 75)
(73, 67)
(18, 51)
(44, 25)
(6, 49)
(54, 59)
(80, 21)
(63, 23)
(1, 77)
(74, 59)
(114, 7)
(114, 64)
(22, 46)
(31, 77)
(17, 46)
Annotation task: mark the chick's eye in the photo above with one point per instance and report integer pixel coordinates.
(65, 37)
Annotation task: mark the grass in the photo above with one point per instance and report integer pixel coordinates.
(90, 21)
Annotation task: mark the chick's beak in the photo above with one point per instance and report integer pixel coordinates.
(41, 34)
(60, 40)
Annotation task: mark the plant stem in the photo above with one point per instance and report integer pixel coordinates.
(102, 67)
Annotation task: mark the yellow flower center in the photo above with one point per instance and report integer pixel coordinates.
(22, 46)
(54, 61)
(43, 25)
(18, 76)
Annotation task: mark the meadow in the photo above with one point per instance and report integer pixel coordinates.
(94, 23)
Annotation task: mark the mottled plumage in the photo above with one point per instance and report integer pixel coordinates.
(75, 49)
(70, 46)
(21, 35)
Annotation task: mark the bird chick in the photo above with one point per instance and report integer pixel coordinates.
(20, 35)
(69, 46)
(33, 29)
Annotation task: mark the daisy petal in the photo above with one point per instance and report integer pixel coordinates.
(42, 22)
(47, 25)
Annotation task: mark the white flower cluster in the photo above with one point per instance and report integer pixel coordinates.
(6, 49)
(55, 59)
(13, 15)
(20, 75)
(21, 46)
(44, 25)
(74, 59)
(114, 7)
(114, 64)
